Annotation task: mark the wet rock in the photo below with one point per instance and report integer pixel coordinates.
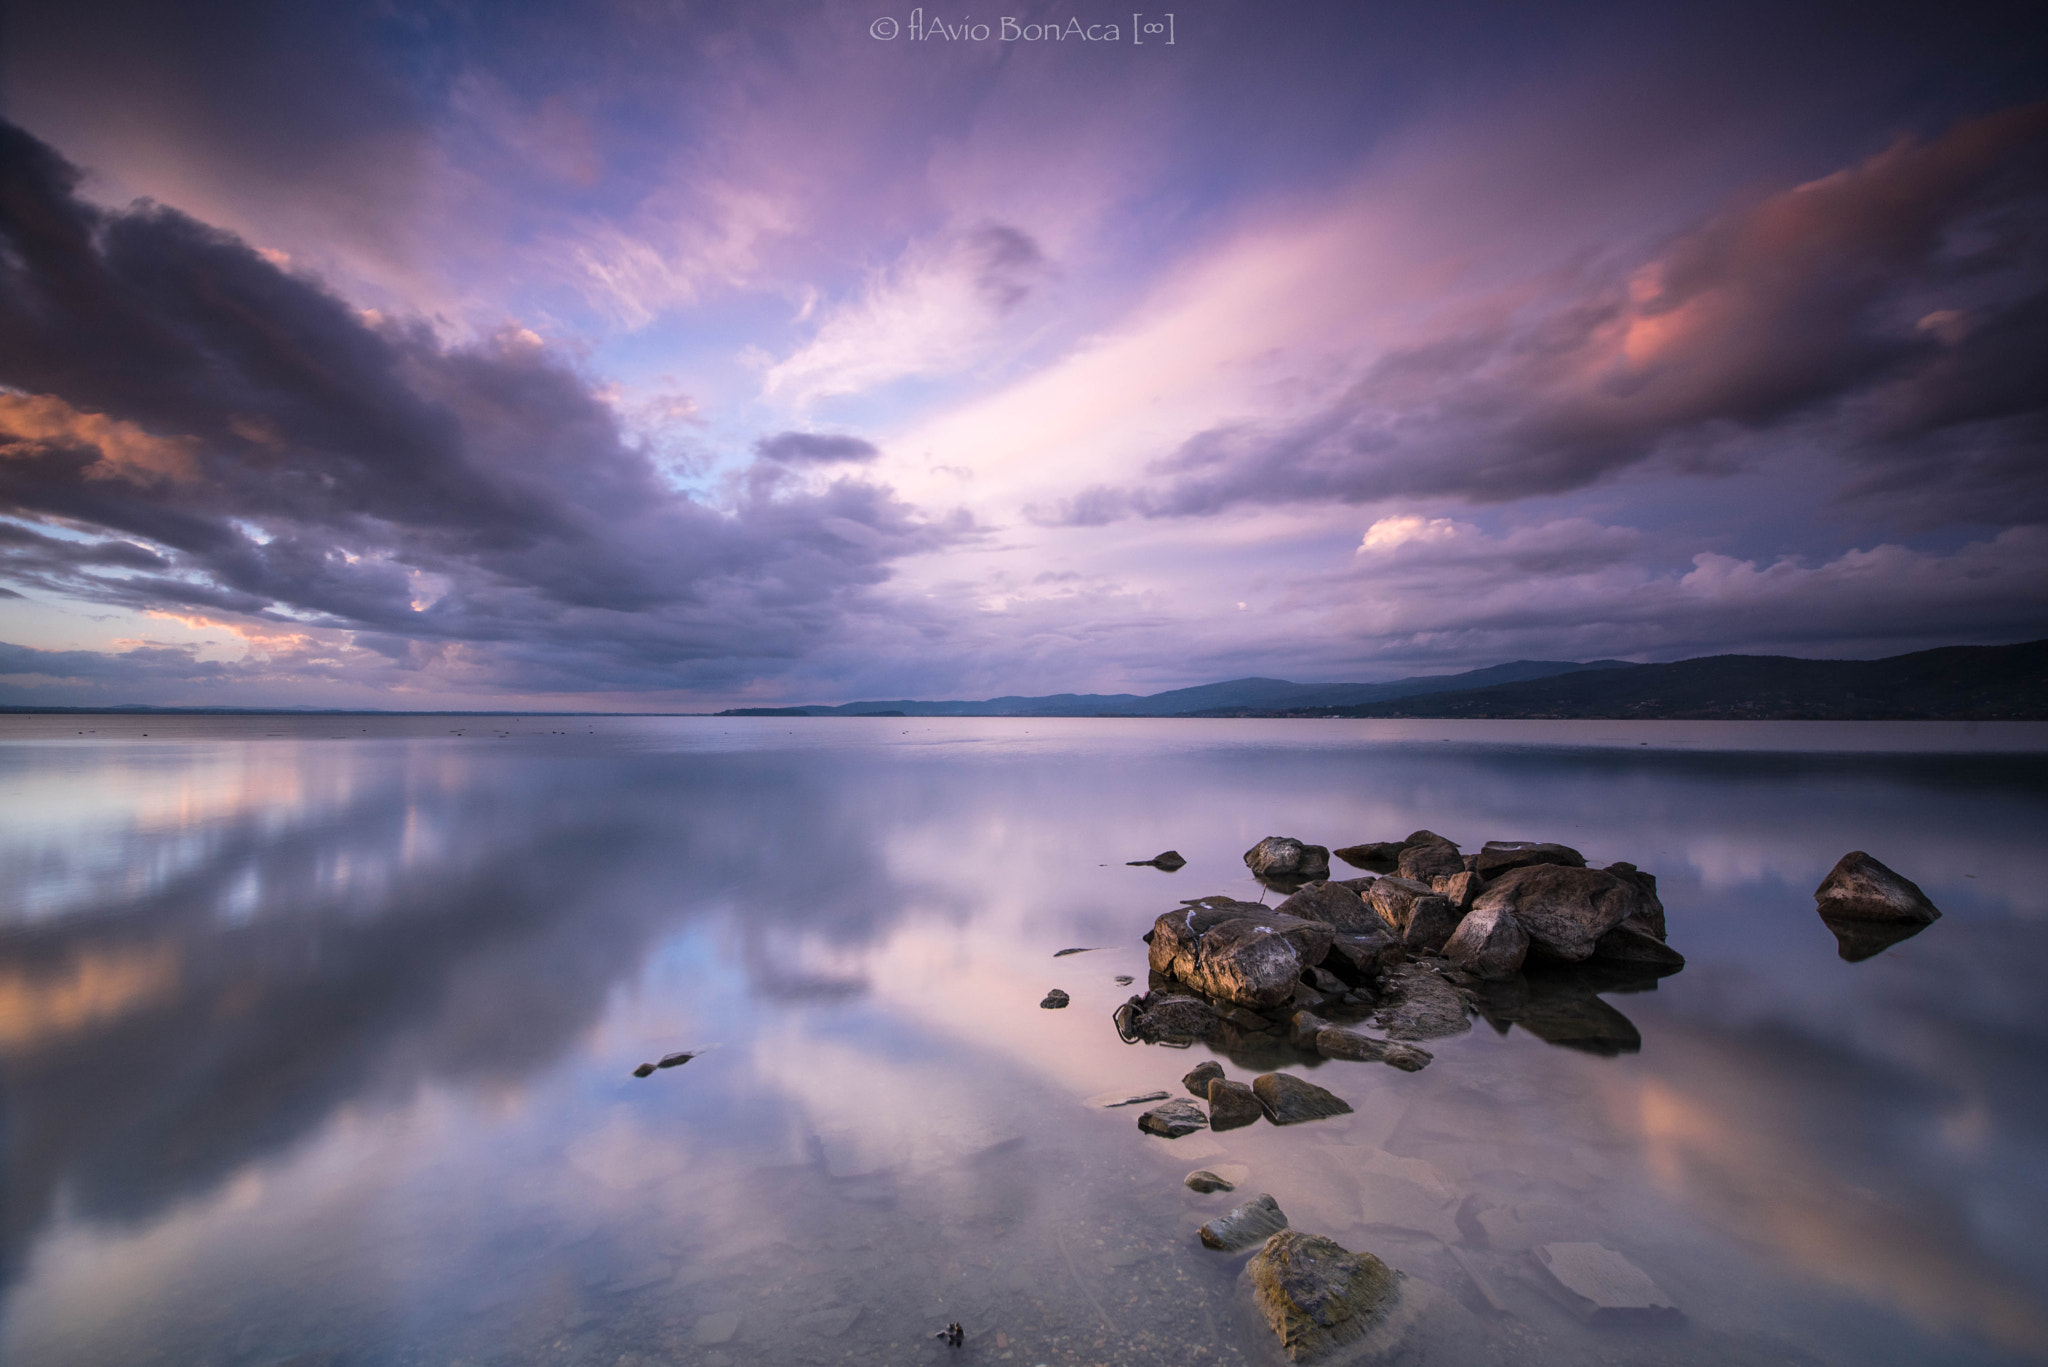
(1232, 1105)
(1602, 1287)
(1306, 998)
(1376, 857)
(1326, 982)
(1290, 1101)
(1419, 1005)
(1488, 943)
(1303, 1026)
(1219, 1177)
(1254, 1222)
(1649, 912)
(1054, 1000)
(1168, 861)
(1250, 1021)
(1359, 959)
(1461, 890)
(1564, 910)
(1111, 1100)
(1337, 1042)
(1357, 885)
(1123, 980)
(1428, 859)
(1173, 1119)
(1197, 1080)
(1242, 953)
(1393, 898)
(1166, 1018)
(1497, 857)
(1334, 904)
(1282, 856)
(644, 1070)
(1630, 942)
(1431, 920)
(1317, 1296)
(676, 1060)
(1859, 888)
(1080, 949)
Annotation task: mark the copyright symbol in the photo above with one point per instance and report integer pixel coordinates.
(884, 28)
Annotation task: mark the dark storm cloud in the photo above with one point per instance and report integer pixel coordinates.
(272, 452)
(1905, 298)
(813, 448)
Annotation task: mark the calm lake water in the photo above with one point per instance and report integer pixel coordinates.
(316, 1038)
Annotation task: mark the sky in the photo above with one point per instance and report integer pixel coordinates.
(647, 356)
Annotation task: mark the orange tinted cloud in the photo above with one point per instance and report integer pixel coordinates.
(32, 421)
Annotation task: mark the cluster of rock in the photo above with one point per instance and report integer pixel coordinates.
(1411, 945)
(1280, 1098)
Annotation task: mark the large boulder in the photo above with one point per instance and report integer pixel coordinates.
(1565, 910)
(1333, 904)
(1429, 859)
(1317, 1296)
(1497, 857)
(1282, 856)
(1489, 944)
(1859, 888)
(1238, 952)
(1289, 1101)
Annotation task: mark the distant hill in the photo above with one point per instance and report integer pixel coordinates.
(1237, 696)
(1961, 683)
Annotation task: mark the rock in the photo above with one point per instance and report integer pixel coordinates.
(1378, 857)
(1489, 944)
(1602, 1287)
(1080, 949)
(1391, 899)
(1564, 910)
(1306, 998)
(1302, 1028)
(1334, 904)
(1218, 1177)
(1461, 890)
(1289, 1101)
(1419, 1005)
(1197, 1081)
(1282, 856)
(644, 1070)
(1859, 888)
(1240, 952)
(1335, 1041)
(1123, 980)
(1254, 1222)
(1357, 885)
(1497, 857)
(1358, 959)
(1425, 860)
(1165, 1018)
(1169, 861)
(1232, 1105)
(1631, 943)
(675, 1060)
(1173, 1119)
(1430, 923)
(1055, 999)
(1110, 1100)
(1650, 911)
(1326, 982)
(1317, 1296)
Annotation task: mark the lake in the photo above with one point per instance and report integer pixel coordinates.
(317, 1040)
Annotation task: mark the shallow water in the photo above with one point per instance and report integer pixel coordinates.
(316, 1037)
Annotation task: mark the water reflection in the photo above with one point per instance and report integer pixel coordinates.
(310, 1042)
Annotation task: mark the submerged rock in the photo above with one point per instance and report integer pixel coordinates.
(1173, 1119)
(1198, 1079)
(1290, 1101)
(1254, 1222)
(1110, 1100)
(1317, 1296)
(1565, 910)
(1497, 857)
(1488, 943)
(1079, 949)
(1123, 980)
(644, 1070)
(1334, 904)
(1239, 952)
(1232, 1105)
(1282, 856)
(676, 1060)
(1165, 1018)
(1337, 1042)
(1420, 1005)
(1054, 1000)
(1220, 1177)
(1859, 888)
(1602, 1287)
(1168, 861)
